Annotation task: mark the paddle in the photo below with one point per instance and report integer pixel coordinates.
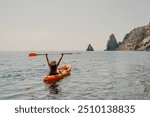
(36, 54)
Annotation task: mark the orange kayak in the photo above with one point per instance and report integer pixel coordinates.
(63, 71)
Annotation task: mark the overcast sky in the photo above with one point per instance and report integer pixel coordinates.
(68, 24)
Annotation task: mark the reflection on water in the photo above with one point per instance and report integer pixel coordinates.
(53, 89)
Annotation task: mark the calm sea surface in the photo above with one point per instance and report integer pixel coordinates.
(94, 75)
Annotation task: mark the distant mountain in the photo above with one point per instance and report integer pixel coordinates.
(90, 48)
(136, 40)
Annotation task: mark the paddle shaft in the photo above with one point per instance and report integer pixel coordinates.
(35, 54)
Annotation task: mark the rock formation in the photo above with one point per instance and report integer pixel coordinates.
(89, 48)
(138, 39)
(112, 43)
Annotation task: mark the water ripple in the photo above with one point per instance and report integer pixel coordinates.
(95, 75)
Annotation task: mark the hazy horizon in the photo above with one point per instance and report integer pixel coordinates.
(64, 25)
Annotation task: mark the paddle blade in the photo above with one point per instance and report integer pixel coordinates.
(33, 54)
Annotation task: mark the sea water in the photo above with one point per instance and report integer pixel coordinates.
(97, 75)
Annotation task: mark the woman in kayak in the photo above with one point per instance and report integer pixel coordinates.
(53, 65)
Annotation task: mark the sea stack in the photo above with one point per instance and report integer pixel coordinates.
(112, 43)
(89, 48)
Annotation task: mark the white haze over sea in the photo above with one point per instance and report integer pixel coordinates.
(67, 24)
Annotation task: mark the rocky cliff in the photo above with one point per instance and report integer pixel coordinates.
(112, 43)
(137, 40)
(90, 48)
